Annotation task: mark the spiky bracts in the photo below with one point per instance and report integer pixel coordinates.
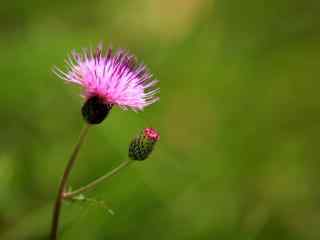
(142, 145)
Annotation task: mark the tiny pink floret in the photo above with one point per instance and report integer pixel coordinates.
(116, 78)
(151, 134)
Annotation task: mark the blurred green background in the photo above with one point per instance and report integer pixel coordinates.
(238, 116)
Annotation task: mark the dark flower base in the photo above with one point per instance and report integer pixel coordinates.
(95, 110)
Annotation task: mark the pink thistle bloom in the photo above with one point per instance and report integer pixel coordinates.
(115, 78)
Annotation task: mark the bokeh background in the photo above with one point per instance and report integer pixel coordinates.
(239, 119)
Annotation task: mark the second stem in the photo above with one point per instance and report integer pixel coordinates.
(92, 184)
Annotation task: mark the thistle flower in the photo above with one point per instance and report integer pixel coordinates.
(109, 79)
(142, 145)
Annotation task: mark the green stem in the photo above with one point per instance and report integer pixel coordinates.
(63, 183)
(92, 184)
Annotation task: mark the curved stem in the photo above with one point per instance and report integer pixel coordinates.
(63, 183)
(92, 184)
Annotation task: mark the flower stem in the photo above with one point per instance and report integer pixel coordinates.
(63, 183)
(92, 184)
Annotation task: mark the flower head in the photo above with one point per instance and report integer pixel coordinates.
(114, 78)
(142, 145)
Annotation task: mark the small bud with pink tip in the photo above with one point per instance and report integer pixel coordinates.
(142, 145)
